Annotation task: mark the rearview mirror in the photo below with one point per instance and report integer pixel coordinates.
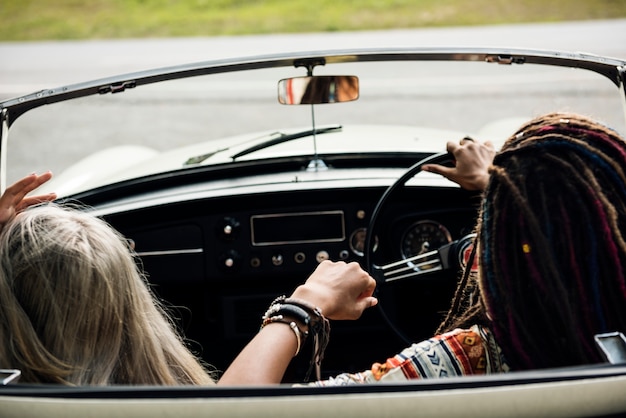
(318, 89)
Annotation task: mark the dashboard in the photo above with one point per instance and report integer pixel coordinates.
(217, 263)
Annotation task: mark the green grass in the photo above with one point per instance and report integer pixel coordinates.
(106, 19)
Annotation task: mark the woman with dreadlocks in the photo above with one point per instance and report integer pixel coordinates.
(552, 261)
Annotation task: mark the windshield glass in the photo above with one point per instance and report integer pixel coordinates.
(214, 117)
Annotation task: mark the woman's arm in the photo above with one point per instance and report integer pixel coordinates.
(14, 199)
(339, 290)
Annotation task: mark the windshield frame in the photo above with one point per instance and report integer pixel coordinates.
(12, 109)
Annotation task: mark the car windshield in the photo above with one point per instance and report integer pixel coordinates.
(209, 119)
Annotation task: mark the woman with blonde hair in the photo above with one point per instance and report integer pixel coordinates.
(75, 308)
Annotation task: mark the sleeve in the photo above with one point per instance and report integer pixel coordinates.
(457, 353)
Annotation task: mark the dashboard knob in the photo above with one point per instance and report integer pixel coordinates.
(321, 256)
(229, 260)
(277, 259)
(228, 228)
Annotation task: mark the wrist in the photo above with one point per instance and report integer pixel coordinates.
(295, 317)
(296, 330)
(306, 295)
(304, 319)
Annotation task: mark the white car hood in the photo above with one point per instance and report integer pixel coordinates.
(125, 162)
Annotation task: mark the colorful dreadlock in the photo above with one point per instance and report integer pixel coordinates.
(552, 246)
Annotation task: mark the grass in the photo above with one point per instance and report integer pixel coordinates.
(24, 20)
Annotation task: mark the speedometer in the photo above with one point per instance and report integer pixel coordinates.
(424, 236)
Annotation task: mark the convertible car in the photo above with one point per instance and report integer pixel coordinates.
(232, 179)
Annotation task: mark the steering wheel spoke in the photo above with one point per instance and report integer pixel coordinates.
(446, 258)
(412, 267)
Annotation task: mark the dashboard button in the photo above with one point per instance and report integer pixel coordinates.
(277, 259)
(321, 256)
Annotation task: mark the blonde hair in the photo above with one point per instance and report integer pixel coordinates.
(75, 308)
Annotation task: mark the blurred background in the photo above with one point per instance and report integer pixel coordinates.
(36, 20)
(45, 44)
(49, 43)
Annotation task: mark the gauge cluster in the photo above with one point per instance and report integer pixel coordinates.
(424, 236)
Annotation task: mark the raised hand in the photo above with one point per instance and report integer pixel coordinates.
(14, 199)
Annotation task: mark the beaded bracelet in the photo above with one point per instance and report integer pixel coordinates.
(289, 310)
(310, 316)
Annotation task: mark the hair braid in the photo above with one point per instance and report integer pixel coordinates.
(552, 251)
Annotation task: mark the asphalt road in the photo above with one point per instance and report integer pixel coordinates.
(26, 67)
(30, 66)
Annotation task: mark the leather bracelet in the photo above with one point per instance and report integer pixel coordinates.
(311, 317)
(294, 312)
(289, 310)
(312, 309)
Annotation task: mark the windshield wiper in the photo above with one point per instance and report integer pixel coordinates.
(285, 138)
(275, 139)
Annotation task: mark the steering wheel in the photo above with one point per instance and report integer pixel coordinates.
(448, 257)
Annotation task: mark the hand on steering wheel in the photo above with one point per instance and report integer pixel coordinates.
(471, 161)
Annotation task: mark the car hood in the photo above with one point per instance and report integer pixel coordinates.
(134, 161)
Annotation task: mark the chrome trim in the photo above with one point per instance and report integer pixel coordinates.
(613, 346)
(9, 376)
(608, 67)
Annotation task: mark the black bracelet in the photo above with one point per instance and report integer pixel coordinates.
(294, 312)
(288, 310)
(310, 308)
(311, 317)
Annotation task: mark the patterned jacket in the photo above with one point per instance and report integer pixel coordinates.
(456, 353)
